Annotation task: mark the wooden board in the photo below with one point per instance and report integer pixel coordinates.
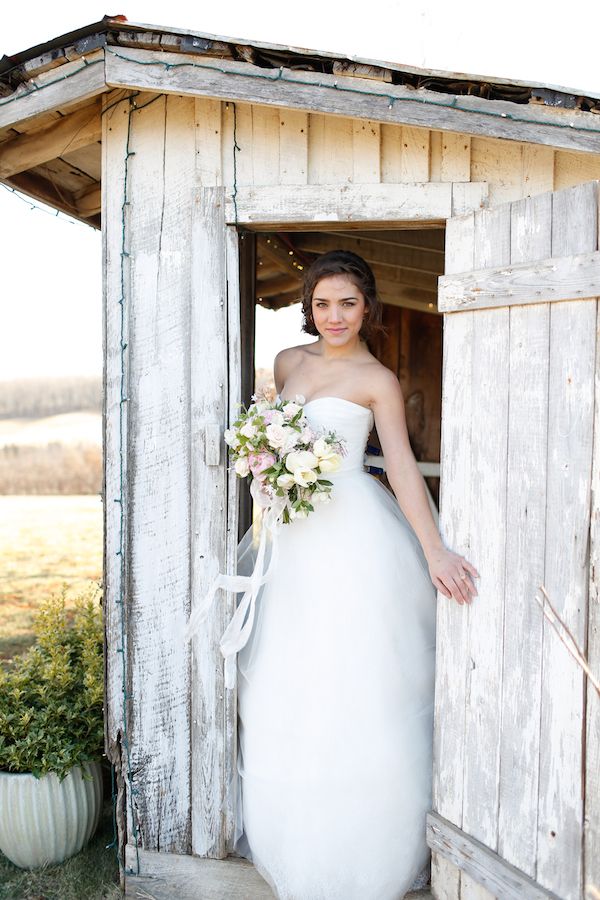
(573, 277)
(115, 457)
(158, 233)
(455, 529)
(570, 431)
(486, 874)
(525, 543)
(591, 835)
(73, 83)
(355, 98)
(213, 722)
(487, 490)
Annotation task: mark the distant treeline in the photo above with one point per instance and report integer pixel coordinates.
(51, 469)
(39, 397)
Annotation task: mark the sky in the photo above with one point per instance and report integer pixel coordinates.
(50, 305)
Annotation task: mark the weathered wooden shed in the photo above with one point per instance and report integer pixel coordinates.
(216, 171)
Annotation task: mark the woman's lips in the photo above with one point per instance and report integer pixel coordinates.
(336, 330)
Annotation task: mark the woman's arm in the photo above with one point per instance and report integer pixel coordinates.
(448, 570)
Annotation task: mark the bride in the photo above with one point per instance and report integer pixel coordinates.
(335, 684)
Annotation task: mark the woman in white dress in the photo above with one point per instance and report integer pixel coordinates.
(335, 685)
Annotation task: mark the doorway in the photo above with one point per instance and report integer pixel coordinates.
(406, 263)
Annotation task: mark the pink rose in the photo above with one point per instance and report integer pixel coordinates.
(258, 462)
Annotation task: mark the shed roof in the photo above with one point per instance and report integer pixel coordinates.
(113, 28)
(50, 98)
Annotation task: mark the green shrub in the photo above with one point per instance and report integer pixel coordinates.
(51, 697)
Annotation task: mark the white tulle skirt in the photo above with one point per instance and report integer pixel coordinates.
(335, 700)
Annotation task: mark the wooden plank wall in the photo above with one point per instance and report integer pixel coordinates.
(180, 145)
(294, 147)
(514, 768)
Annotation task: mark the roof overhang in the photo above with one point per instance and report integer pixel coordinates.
(45, 90)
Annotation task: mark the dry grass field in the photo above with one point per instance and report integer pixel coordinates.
(46, 542)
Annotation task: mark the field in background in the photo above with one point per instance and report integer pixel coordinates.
(45, 542)
(51, 436)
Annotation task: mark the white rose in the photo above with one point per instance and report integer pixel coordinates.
(248, 430)
(330, 463)
(321, 447)
(241, 466)
(275, 417)
(321, 497)
(231, 438)
(285, 480)
(291, 438)
(290, 410)
(304, 477)
(306, 435)
(301, 513)
(300, 459)
(277, 436)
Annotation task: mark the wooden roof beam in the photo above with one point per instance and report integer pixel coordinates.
(79, 129)
(361, 98)
(279, 285)
(385, 255)
(41, 189)
(90, 202)
(409, 297)
(432, 240)
(70, 84)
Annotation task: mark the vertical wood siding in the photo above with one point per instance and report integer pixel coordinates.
(520, 759)
(211, 726)
(570, 432)
(525, 542)
(489, 425)
(455, 528)
(173, 302)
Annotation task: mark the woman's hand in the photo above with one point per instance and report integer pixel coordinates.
(450, 574)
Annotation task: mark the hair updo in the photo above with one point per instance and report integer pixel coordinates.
(343, 262)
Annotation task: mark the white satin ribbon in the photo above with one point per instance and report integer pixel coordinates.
(238, 631)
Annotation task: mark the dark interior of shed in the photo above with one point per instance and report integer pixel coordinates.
(406, 264)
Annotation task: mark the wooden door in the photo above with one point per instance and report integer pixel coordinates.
(517, 727)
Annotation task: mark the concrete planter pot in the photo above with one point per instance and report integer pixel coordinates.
(44, 821)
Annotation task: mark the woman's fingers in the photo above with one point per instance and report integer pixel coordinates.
(472, 569)
(459, 591)
(440, 586)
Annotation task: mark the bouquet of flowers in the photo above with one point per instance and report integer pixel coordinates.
(273, 444)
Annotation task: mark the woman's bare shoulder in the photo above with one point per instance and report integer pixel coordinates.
(287, 360)
(383, 383)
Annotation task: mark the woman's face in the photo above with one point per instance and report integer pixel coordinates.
(338, 307)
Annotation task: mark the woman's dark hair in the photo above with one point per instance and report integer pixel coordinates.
(343, 262)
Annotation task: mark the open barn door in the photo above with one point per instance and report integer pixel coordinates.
(517, 729)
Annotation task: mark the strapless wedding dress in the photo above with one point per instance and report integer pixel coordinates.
(335, 693)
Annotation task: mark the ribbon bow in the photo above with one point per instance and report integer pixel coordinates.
(238, 631)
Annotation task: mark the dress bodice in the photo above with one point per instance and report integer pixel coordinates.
(350, 421)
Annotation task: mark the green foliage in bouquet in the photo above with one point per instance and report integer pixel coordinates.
(51, 698)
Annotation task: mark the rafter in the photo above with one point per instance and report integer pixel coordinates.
(65, 135)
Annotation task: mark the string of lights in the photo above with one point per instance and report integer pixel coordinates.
(35, 88)
(344, 88)
(121, 500)
(56, 214)
(335, 86)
